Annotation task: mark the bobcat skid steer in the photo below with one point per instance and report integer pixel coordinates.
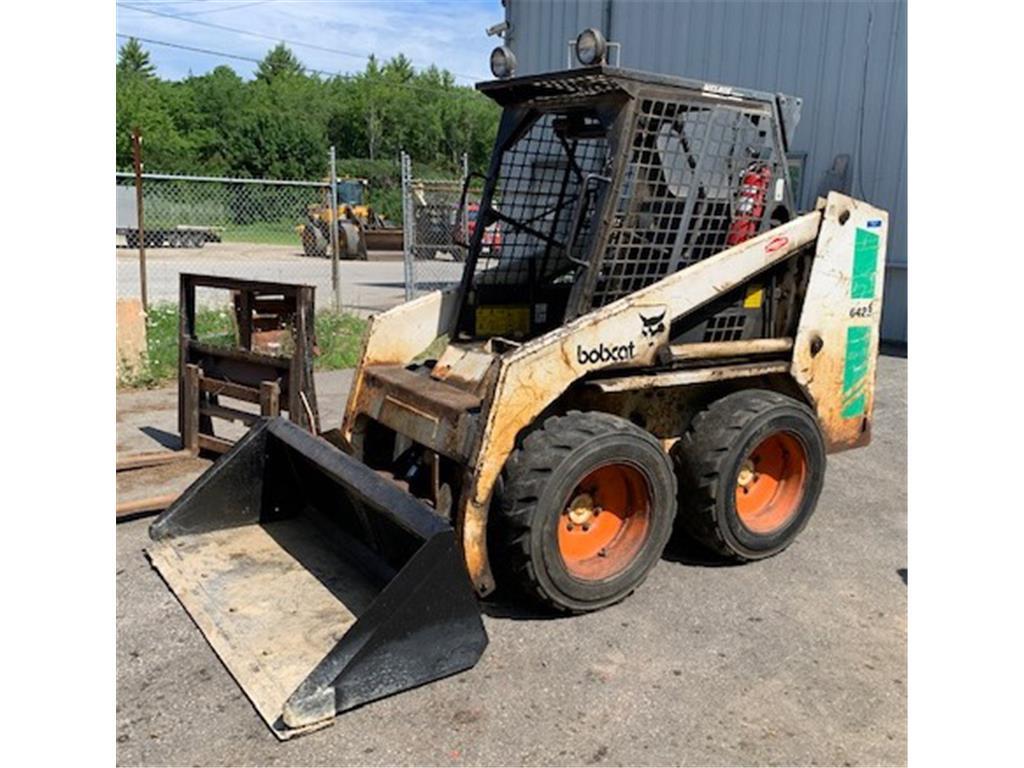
(661, 343)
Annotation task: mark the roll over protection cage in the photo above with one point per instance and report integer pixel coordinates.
(664, 158)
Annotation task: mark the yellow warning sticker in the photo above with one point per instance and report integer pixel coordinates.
(754, 297)
(502, 321)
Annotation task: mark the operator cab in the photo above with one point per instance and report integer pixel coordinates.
(605, 180)
(351, 191)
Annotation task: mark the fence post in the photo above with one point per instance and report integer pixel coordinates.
(335, 273)
(465, 205)
(408, 226)
(137, 162)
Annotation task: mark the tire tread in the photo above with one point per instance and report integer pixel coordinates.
(527, 470)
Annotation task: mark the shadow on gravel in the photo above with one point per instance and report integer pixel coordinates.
(165, 438)
(685, 552)
(504, 604)
(893, 349)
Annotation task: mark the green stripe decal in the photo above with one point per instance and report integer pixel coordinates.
(865, 265)
(855, 371)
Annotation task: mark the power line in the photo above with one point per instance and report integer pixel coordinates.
(222, 27)
(240, 57)
(190, 14)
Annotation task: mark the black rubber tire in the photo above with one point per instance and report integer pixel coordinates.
(536, 482)
(708, 460)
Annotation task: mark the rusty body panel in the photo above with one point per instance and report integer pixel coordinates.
(429, 412)
(693, 376)
(529, 378)
(536, 374)
(836, 349)
(710, 350)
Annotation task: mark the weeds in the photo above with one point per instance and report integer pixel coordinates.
(338, 339)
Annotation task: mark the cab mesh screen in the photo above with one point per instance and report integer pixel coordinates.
(678, 197)
(536, 198)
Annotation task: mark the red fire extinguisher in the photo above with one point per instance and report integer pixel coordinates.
(749, 203)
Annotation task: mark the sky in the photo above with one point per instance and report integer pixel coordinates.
(448, 33)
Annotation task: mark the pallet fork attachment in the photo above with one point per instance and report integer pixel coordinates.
(321, 585)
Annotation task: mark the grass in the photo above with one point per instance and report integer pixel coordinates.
(263, 232)
(338, 337)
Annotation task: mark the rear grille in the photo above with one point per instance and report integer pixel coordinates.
(725, 327)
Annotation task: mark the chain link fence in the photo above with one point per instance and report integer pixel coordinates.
(244, 228)
(437, 226)
(258, 229)
(281, 231)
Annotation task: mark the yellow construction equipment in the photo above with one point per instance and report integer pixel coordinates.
(360, 228)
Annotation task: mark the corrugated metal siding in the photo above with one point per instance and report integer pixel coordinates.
(854, 88)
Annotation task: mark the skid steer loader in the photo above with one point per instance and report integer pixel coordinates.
(661, 343)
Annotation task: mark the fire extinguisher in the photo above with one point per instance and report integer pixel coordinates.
(749, 203)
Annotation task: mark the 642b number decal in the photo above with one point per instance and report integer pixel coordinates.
(864, 310)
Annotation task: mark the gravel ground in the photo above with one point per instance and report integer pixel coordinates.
(366, 286)
(799, 659)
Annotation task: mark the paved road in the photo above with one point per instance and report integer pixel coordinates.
(366, 286)
(800, 659)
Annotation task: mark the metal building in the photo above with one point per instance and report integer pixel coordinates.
(847, 60)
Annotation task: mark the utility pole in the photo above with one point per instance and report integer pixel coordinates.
(137, 161)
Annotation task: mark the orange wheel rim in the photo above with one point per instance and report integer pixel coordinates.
(770, 483)
(604, 522)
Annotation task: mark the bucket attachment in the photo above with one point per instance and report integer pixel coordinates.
(321, 585)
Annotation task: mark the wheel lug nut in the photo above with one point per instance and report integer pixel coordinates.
(586, 527)
(568, 527)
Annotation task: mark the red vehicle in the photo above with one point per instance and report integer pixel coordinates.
(491, 242)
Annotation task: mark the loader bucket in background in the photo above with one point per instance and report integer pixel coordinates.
(320, 584)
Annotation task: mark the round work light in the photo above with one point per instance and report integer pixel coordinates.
(503, 62)
(591, 47)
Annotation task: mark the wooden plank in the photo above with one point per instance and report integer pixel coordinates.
(237, 284)
(270, 399)
(149, 505)
(155, 458)
(243, 317)
(718, 349)
(305, 343)
(229, 414)
(229, 353)
(190, 409)
(215, 444)
(229, 389)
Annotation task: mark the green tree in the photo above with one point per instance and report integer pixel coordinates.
(220, 100)
(279, 61)
(133, 59)
(154, 106)
(280, 123)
